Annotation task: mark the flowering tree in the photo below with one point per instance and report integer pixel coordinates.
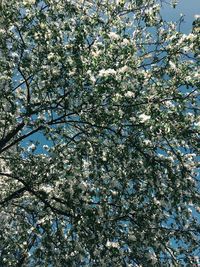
(98, 135)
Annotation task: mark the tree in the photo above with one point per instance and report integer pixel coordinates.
(99, 141)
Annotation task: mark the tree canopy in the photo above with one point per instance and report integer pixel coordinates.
(99, 135)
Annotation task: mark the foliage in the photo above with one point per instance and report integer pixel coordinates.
(99, 123)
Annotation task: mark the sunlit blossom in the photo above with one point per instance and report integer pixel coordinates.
(114, 36)
(106, 72)
(143, 117)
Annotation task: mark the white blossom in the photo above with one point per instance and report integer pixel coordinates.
(197, 124)
(153, 258)
(31, 148)
(143, 117)
(114, 36)
(51, 56)
(130, 94)
(132, 119)
(123, 69)
(197, 16)
(106, 72)
(96, 53)
(47, 188)
(125, 42)
(132, 237)
(191, 36)
(112, 244)
(172, 65)
(83, 185)
(29, 2)
(147, 142)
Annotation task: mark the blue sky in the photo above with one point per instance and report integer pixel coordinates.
(188, 8)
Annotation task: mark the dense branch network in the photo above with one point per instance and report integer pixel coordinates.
(99, 135)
